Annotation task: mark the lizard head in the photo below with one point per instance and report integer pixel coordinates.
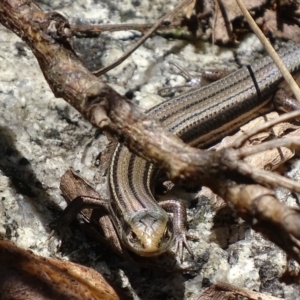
(148, 233)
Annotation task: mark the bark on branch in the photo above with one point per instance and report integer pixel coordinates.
(49, 37)
(47, 34)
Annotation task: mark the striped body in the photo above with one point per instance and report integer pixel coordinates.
(199, 117)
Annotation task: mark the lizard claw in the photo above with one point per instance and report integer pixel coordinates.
(181, 242)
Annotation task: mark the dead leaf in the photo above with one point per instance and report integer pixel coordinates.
(226, 11)
(268, 160)
(280, 28)
(226, 291)
(25, 275)
(271, 159)
(188, 10)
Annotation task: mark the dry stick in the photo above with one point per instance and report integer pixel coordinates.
(102, 106)
(291, 142)
(144, 38)
(231, 159)
(285, 73)
(99, 28)
(283, 118)
(267, 178)
(106, 109)
(260, 175)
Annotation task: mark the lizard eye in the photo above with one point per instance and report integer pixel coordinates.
(132, 236)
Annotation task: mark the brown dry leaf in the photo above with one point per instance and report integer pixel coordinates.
(233, 11)
(271, 159)
(226, 11)
(25, 275)
(280, 20)
(268, 160)
(226, 291)
(72, 186)
(279, 28)
(216, 201)
(188, 10)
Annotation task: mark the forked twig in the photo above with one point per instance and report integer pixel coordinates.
(170, 14)
(47, 36)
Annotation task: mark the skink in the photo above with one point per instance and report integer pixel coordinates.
(200, 117)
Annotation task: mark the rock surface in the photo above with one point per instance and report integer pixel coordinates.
(41, 137)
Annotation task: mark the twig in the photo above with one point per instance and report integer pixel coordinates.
(267, 178)
(292, 143)
(285, 73)
(99, 28)
(48, 35)
(255, 130)
(183, 4)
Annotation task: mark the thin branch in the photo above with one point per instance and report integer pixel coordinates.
(255, 130)
(99, 28)
(291, 142)
(277, 60)
(170, 14)
(48, 35)
(267, 178)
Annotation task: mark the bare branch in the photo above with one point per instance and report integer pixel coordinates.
(179, 7)
(292, 143)
(283, 118)
(48, 35)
